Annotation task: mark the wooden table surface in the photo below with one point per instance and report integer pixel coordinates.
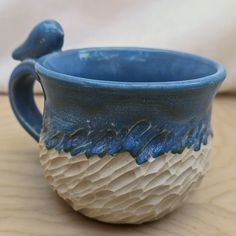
(29, 207)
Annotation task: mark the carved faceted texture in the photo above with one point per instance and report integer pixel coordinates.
(116, 189)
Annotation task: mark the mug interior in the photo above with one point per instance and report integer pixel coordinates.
(129, 65)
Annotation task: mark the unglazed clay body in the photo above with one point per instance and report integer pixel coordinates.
(115, 189)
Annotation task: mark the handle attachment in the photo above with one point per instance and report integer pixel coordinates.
(21, 98)
(46, 37)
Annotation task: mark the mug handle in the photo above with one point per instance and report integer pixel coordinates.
(46, 37)
(21, 98)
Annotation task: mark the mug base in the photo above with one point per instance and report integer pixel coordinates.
(115, 189)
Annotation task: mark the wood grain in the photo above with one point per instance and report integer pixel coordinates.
(29, 207)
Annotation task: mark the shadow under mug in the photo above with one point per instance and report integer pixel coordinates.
(125, 134)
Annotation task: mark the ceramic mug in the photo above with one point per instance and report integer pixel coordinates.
(126, 132)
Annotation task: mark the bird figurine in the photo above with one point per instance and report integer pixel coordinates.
(46, 37)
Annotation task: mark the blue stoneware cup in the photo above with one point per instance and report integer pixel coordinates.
(126, 133)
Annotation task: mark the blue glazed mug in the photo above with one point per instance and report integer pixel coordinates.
(126, 132)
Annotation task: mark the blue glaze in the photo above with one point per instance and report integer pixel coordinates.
(143, 101)
(46, 37)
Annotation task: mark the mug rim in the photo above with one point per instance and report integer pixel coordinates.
(200, 82)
